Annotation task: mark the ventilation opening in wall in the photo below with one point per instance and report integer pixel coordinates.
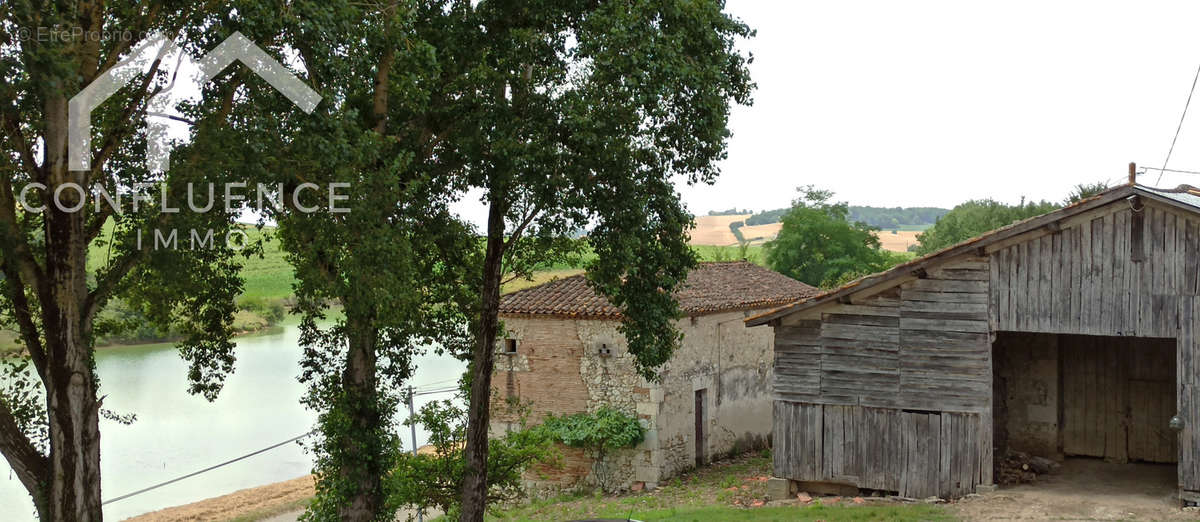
(510, 346)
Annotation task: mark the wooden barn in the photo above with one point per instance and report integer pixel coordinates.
(1074, 333)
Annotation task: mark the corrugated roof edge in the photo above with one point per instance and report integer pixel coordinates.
(1169, 196)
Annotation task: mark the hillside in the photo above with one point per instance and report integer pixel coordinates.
(714, 230)
(899, 226)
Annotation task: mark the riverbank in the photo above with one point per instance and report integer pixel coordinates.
(244, 505)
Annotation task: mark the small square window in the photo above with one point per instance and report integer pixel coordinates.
(510, 346)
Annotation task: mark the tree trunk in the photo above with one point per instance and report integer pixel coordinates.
(74, 489)
(474, 492)
(365, 461)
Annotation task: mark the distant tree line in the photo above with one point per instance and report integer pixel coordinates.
(977, 217)
(879, 217)
(824, 243)
(731, 212)
(895, 217)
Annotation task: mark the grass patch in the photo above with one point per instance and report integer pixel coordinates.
(788, 513)
(726, 490)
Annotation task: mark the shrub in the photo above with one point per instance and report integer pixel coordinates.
(598, 433)
(435, 479)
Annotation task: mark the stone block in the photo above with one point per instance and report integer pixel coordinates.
(779, 488)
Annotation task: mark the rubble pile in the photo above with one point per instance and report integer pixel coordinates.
(1016, 467)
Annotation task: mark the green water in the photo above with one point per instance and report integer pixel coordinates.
(176, 433)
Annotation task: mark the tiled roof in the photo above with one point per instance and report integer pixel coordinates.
(710, 287)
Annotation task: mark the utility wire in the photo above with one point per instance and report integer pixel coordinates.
(246, 456)
(1163, 170)
(429, 392)
(1176, 171)
(210, 468)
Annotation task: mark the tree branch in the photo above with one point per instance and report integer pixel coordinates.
(136, 105)
(12, 130)
(24, 316)
(30, 466)
(19, 253)
(382, 81)
(525, 222)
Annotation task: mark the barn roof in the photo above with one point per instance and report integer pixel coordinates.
(1184, 196)
(710, 288)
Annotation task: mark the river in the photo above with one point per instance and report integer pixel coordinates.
(177, 433)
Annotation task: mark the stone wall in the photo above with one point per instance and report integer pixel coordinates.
(565, 366)
(732, 365)
(1026, 394)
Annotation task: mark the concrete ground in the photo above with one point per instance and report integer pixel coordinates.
(1085, 489)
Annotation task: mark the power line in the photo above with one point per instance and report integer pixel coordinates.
(1180, 126)
(429, 392)
(205, 470)
(243, 457)
(1175, 171)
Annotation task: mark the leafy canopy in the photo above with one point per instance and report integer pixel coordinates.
(974, 218)
(819, 246)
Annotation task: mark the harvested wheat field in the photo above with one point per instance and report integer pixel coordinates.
(714, 230)
(897, 242)
(264, 500)
(761, 232)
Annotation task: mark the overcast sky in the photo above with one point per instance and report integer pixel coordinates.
(926, 103)
(933, 103)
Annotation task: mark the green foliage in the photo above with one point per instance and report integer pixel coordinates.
(1083, 191)
(598, 433)
(434, 479)
(736, 228)
(272, 310)
(55, 284)
(603, 430)
(817, 245)
(975, 218)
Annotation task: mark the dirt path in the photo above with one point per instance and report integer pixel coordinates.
(1087, 489)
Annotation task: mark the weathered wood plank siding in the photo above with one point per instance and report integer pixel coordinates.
(1084, 280)
(1188, 398)
(916, 454)
(846, 386)
(945, 353)
(894, 391)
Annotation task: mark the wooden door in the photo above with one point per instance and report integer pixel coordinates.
(1118, 396)
(700, 427)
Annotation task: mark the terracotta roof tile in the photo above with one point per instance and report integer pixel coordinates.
(710, 287)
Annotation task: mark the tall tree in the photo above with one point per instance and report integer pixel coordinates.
(564, 114)
(384, 247)
(581, 113)
(51, 233)
(817, 244)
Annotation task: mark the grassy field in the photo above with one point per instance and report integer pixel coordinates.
(730, 490)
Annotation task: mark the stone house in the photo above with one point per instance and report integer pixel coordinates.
(562, 353)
